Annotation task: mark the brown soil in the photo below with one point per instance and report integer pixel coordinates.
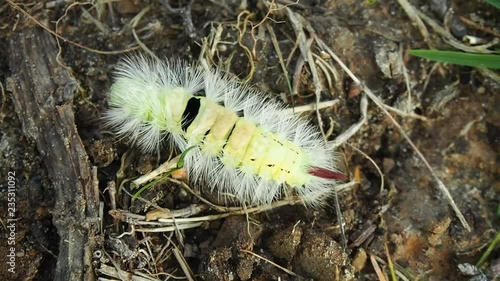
(460, 138)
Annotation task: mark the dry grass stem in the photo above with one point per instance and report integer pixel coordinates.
(311, 106)
(354, 128)
(337, 84)
(450, 39)
(15, 6)
(119, 274)
(133, 24)
(412, 14)
(400, 271)
(378, 270)
(111, 188)
(88, 16)
(479, 27)
(182, 262)
(374, 164)
(444, 190)
(162, 169)
(490, 74)
(276, 46)
(270, 262)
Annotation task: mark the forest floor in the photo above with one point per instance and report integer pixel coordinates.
(393, 212)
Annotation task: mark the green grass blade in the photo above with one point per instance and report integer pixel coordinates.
(134, 197)
(476, 60)
(489, 250)
(495, 3)
(180, 163)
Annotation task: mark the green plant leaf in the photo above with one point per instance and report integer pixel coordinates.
(476, 60)
(180, 164)
(152, 183)
(495, 3)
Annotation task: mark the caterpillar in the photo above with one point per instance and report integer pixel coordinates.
(244, 144)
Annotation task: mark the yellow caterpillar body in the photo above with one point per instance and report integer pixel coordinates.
(244, 144)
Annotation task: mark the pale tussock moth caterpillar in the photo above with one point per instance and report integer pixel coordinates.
(245, 144)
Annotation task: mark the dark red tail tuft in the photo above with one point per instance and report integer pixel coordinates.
(326, 174)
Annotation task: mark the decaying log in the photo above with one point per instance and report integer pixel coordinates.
(43, 98)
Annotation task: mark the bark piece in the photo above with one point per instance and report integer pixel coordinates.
(42, 92)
